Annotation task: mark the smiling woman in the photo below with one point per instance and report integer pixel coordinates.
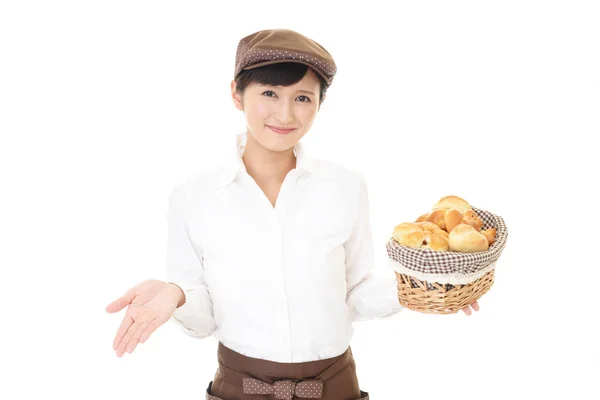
(281, 302)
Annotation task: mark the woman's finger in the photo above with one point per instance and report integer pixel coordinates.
(135, 338)
(475, 305)
(150, 328)
(123, 345)
(467, 310)
(127, 338)
(125, 324)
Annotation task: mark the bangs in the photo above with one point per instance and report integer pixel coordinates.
(282, 74)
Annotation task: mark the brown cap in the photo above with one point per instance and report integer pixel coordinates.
(275, 46)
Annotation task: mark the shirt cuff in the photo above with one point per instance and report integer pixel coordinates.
(376, 298)
(193, 317)
(390, 305)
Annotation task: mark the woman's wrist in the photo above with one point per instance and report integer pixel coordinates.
(179, 293)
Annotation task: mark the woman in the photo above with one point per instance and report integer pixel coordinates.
(272, 252)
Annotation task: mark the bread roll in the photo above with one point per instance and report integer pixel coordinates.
(423, 218)
(471, 218)
(490, 235)
(446, 218)
(408, 234)
(452, 219)
(421, 235)
(436, 241)
(429, 226)
(465, 238)
(452, 202)
(438, 217)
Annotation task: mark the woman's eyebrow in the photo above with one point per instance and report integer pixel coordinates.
(306, 91)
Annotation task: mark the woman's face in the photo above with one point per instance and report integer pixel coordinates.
(290, 108)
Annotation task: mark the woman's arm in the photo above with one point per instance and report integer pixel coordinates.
(368, 297)
(185, 269)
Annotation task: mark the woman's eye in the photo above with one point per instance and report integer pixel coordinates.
(270, 93)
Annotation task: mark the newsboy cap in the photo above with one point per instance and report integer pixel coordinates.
(273, 46)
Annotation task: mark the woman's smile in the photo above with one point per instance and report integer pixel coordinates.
(280, 130)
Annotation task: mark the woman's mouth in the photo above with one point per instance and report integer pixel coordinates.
(279, 130)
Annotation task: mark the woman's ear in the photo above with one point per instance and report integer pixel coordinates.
(236, 97)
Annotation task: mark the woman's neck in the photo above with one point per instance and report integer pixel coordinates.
(266, 166)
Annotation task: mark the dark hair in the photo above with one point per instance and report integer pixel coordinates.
(282, 74)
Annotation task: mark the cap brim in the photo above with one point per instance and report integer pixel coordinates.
(271, 62)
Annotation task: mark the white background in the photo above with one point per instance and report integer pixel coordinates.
(106, 106)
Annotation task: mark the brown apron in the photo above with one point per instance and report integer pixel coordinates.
(244, 378)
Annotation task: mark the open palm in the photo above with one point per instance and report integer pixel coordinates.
(149, 305)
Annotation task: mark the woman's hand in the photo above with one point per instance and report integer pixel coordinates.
(467, 309)
(151, 304)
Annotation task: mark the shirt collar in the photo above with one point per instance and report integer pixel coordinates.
(234, 163)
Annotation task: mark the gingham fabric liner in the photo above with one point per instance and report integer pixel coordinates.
(430, 263)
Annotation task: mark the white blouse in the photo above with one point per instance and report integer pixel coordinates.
(279, 283)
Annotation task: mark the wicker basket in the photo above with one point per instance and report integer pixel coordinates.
(444, 282)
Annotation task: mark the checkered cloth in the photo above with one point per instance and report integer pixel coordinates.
(427, 261)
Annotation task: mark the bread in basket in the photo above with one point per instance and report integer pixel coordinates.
(446, 259)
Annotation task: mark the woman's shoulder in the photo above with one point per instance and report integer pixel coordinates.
(192, 186)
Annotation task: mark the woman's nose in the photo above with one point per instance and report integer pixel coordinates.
(286, 114)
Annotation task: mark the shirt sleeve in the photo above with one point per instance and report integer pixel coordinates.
(184, 267)
(368, 297)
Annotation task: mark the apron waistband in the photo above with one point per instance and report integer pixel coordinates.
(270, 371)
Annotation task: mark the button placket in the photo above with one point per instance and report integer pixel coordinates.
(282, 301)
(281, 209)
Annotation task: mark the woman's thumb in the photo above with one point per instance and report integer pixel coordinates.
(121, 302)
